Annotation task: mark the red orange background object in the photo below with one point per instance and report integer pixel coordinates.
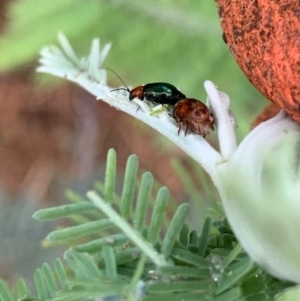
(264, 38)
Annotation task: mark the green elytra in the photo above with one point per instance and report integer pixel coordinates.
(157, 93)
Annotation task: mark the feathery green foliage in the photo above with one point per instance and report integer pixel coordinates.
(140, 260)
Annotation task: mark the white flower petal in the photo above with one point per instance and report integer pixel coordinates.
(219, 104)
(68, 49)
(261, 204)
(104, 53)
(93, 68)
(93, 80)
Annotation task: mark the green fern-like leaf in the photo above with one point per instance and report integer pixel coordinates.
(138, 260)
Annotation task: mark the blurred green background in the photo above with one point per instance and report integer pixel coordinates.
(165, 40)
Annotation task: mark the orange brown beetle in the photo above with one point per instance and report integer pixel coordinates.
(194, 115)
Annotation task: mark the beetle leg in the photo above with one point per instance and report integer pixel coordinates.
(179, 128)
(186, 129)
(167, 107)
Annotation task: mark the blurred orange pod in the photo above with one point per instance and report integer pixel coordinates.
(263, 37)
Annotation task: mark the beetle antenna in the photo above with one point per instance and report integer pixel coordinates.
(127, 89)
(120, 89)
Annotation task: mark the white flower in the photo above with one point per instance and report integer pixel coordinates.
(258, 180)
